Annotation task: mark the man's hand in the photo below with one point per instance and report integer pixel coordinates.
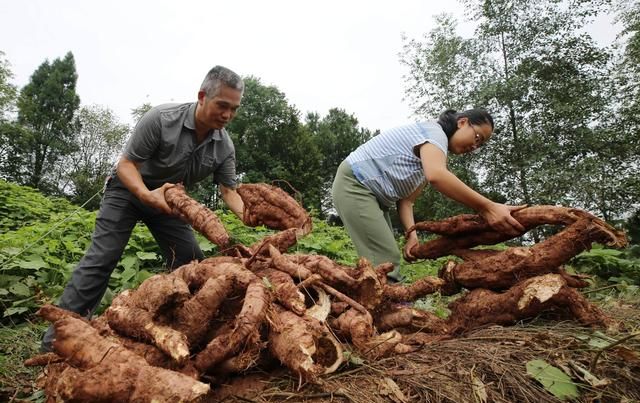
(155, 198)
(233, 200)
(500, 219)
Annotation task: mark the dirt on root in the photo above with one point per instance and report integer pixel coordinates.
(485, 365)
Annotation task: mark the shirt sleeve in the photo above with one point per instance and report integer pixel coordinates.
(433, 134)
(225, 174)
(145, 138)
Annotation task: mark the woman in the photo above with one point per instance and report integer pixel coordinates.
(394, 167)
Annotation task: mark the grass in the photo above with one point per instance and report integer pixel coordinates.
(485, 365)
(18, 343)
(492, 359)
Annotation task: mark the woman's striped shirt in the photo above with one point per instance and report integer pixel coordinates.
(387, 165)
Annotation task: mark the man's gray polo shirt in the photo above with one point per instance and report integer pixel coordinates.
(164, 140)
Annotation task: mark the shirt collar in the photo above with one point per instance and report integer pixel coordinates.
(190, 123)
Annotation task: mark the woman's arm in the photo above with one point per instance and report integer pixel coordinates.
(498, 215)
(405, 213)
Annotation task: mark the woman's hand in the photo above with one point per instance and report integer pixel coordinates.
(412, 240)
(500, 219)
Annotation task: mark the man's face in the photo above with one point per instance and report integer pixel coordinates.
(217, 112)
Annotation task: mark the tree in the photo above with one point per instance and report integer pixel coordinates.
(547, 85)
(8, 129)
(99, 140)
(442, 74)
(272, 145)
(46, 108)
(138, 112)
(443, 70)
(336, 135)
(633, 228)
(7, 90)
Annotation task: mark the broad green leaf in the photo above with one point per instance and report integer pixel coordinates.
(33, 262)
(127, 274)
(129, 262)
(143, 275)
(335, 246)
(73, 247)
(11, 251)
(147, 255)
(596, 342)
(6, 281)
(15, 310)
(206, 246)
(553, 379)
(20, 289)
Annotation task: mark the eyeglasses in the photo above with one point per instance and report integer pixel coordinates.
(478, 139)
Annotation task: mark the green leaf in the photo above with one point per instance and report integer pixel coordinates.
(129, 262)
(335, 246)
(205, 245)
(143, 275)
(352, 358)
(73, 247)
(15, 310)
(127, 274)
(6, 281)
(147, 255)
(20, 289)
(10, 251)
(33, 262)
(596, 341)
(554, 380)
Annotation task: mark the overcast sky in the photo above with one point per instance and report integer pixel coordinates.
(321, 54)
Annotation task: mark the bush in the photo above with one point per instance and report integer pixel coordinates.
(21, 206)
(633, 228)
(617, 266)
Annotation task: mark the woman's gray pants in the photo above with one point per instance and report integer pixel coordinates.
(366, 222)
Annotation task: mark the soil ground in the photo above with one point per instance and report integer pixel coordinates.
(486, 365)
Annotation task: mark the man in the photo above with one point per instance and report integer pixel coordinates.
(171, 143)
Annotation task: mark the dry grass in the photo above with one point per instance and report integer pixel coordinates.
(487, 365)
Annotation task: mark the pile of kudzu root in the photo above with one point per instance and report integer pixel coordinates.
(179, 333)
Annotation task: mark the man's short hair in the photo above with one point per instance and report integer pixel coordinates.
(219, 76)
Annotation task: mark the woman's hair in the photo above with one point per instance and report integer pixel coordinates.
(449, 119)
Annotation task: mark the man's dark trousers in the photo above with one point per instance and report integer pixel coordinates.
(119, 212)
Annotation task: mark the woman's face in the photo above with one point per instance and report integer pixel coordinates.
(468, 137)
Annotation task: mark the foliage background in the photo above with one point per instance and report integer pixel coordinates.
(39, 249)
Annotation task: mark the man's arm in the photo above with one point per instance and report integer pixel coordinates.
(232, 199)
(129, 174)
